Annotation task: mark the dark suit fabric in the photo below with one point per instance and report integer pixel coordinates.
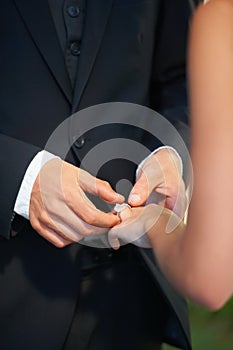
(132, 51)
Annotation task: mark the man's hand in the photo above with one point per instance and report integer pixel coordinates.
(59, 209)
(160, 181)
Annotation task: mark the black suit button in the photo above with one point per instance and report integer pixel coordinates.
(79, 143)
(73, 11)
(75, 48)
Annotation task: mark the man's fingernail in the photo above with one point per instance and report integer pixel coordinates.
(120, 198)
(134, 198)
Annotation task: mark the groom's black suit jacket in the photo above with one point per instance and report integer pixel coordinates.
(132, 51)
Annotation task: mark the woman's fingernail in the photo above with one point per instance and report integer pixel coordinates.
(115, 244)
(134, 198)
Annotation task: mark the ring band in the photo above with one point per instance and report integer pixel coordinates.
(120, 207)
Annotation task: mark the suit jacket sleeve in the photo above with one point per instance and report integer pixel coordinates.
(15, 156)
(169, 84)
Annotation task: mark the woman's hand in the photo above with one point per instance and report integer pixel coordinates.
(134, 226)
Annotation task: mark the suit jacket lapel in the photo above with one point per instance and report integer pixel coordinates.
(39, 22)
(97, 17)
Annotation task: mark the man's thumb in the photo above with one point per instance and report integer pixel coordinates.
(140, 192)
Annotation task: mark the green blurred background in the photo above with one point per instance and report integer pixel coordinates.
(211, 330)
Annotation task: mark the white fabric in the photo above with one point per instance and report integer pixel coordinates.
(157, 150)
(23, 198)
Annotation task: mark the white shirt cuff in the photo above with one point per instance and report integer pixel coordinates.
(155, 151)
(22, 202)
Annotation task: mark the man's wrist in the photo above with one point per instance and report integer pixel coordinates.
(22, 202)
(174, 153)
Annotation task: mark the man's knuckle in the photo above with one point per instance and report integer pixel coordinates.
(36, 226)
(101, 185)
(68, 198)
(91, 220)
(44, 217)
(106, 185)
(88, 231)
(60, 244)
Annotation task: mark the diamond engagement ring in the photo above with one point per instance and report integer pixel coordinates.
(120, 207)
